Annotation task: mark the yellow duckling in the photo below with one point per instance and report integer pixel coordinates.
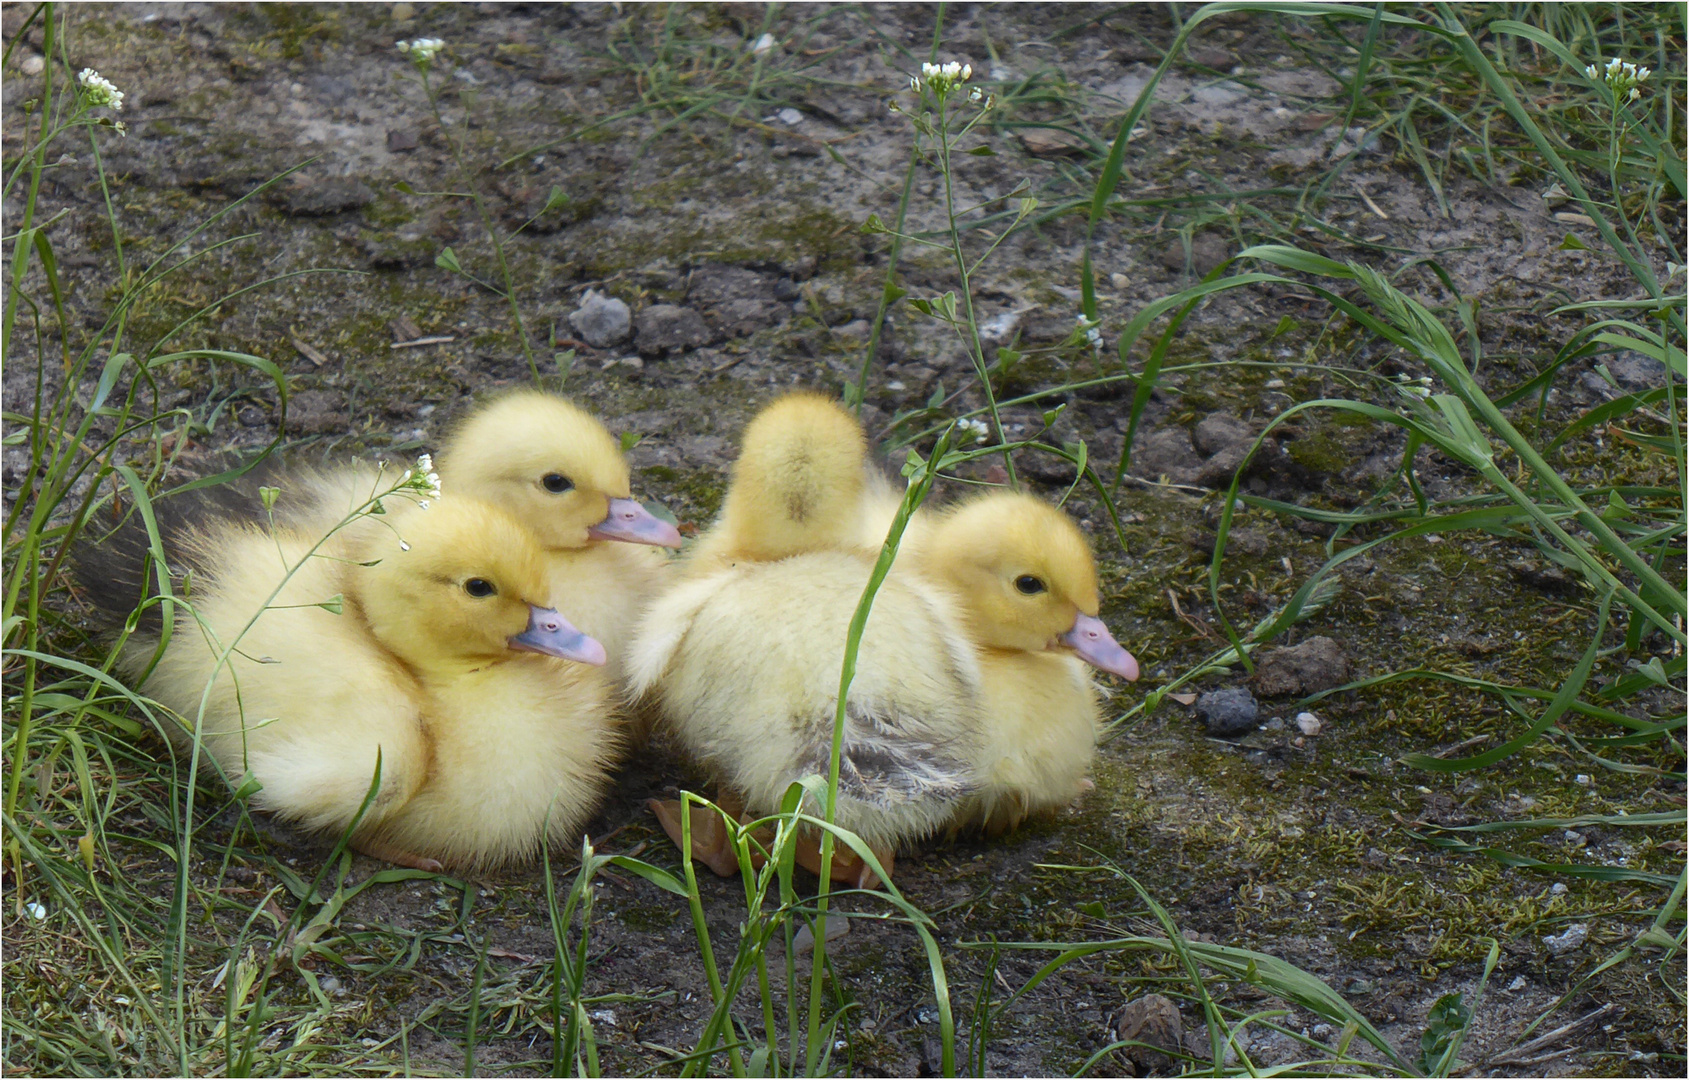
(743, 657)
(557, 470)
(440, 659)
(1023, 576)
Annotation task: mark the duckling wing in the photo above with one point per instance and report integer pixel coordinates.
(883, 765)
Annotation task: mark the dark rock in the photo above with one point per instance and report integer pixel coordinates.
(666, 328)
(736, 302)
(1549, 578)
(1155, 1021)
(1229, 711)
(317, 412)
(601, 321)
(1217, 471)
(1217, 431)
(1211, 56)
(803, 268)
(1636, 372)
(1206, 252)
(1315, 665)
(319, 198)
(1167, 452)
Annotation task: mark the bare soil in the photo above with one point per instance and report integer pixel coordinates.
(1297, 845)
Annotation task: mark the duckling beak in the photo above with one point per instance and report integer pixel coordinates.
(1097, 647)
(633, 523)
(551, 634)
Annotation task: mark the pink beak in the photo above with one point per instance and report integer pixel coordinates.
(630, 522)
(1097, 647)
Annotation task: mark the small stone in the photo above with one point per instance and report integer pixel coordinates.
(1274, 384)
(856, 328)
(601, 320)
(1308, 724)
(37, 910)
(804, 940)
(1323, 1031)
(33, 65)
(1275, 724)
(1583, 780)
(789, 116)
(1154, 1020)
(664, 328)
(403, 12)
(1048, 142)
(1559, 888)
(320, 198)
(316, 412)
(1315, 665)
(1518, 984)
(400, 140)
(1229, 711)
(1218, 432)
(1119, 281)
(1572, 938)
(329, 984)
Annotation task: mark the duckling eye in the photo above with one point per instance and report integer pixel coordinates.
(479, 588)
(557, 483)
(1029, 585)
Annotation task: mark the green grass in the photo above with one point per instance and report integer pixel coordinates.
(177, 939)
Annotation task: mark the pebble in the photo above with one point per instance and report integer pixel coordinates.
(36, 910)
(1229, 711)
(1558, 888)
(1323, 1031)
(330, 984)
(1308, 724)
(1518, 984)
(1583, 780)
(33, 65)
(790, 116)
(804, 940)
(601, 320)
(1573, 937)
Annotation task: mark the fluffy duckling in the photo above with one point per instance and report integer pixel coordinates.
(556, 469)
(442, 661)
(1023, 576)
(743, 657)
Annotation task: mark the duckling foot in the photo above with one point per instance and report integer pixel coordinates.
(380, 849)
(710, 843)
(848, 867)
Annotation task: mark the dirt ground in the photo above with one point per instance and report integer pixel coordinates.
(738, 248)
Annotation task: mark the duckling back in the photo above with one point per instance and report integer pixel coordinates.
(796, 487)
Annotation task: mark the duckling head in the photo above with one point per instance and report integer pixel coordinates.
(554, 467)
(1025, 575)
(798, 482)
(459, 584)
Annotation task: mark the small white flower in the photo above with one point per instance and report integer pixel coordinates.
(100, 90)
(942, 78)
(421, 50)
(1621, 76)
(981, 430)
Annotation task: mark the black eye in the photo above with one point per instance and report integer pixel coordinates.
(479, 587)
(557, 483)
(1029, 585)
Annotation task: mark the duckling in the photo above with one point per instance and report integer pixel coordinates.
(1024, 577)
(440, 660)
(557, 470)
(742, 658)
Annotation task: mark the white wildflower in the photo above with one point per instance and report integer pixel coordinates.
(99, 89)
(941, 78)
(1621, 76)
(421, 50)
(1093, 336)
(981, 430)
